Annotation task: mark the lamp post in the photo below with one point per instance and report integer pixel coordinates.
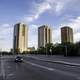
(50, 50)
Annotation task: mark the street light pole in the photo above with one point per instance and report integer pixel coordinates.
(51, 51)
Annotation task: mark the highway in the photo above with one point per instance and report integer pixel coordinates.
(32, 69)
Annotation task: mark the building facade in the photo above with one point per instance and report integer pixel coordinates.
(44, 36)
(20, 38)
(66, 34)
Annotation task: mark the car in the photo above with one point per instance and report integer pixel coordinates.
(18, 59)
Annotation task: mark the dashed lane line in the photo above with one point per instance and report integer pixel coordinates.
(53, 69)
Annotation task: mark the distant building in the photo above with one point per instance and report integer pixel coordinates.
(66, 34)
(44, 35)
(31, 49)
(11, 50)
(20, 42)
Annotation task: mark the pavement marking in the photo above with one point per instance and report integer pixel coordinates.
(61, 62)
(40, 66)
(53, 69)
(9, 67)
(10, 75)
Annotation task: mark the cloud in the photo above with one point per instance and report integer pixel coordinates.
(41, 8)
(60, 5)
(33, 35)
(38, 10)
(45, 5)
(56, 7)
(6, 36)
(77, 37)
(5, 25)
(28, 18)
(56, 36)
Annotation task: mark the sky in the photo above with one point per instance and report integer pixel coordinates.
(34, 13)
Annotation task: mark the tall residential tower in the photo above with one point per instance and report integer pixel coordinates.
(20, 42)
(44, 36)
(66, 34)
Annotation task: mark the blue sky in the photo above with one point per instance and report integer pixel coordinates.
(55, 13)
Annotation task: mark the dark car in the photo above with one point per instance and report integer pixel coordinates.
(18, 59)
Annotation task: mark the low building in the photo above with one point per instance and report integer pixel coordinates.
(30, 49)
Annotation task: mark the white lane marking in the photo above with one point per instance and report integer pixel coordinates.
(40, 66)
(10, 75)
(63, 62)
(8, 67)
(55, 70)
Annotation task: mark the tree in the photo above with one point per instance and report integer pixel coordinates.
(59, 49)
(71, 49)
(17, 51)
(41, 50)
(77, 46)
(49, 47)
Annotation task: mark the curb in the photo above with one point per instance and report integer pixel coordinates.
(65, 63)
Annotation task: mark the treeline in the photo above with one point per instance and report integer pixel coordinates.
(5, 53)
(66, 49)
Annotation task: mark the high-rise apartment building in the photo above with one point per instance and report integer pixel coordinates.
(44, 36)
(20, 38)
(66, 34)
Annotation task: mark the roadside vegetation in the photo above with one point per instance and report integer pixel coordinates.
(66, 49)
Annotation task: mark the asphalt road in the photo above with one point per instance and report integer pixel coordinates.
(32, 69)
